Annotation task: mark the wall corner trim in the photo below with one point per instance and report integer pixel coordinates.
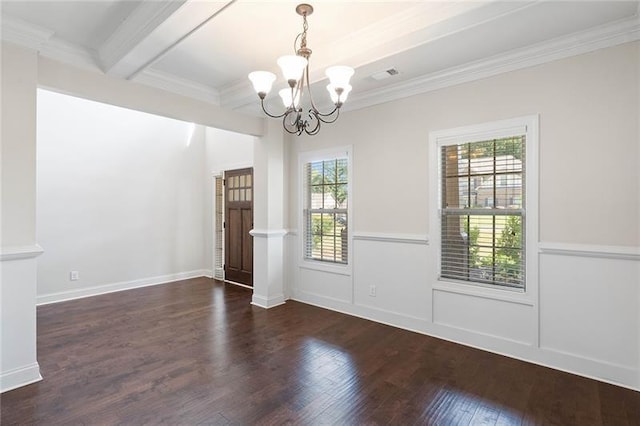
(20, 252)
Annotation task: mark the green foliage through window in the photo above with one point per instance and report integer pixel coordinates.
(326, 212)
(482, 212)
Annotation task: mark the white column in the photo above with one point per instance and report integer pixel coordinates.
(18, 248)
(268, 210)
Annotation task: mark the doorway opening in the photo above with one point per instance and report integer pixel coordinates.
(238, 221)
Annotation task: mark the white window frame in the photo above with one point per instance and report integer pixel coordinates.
(321, 155)
(528, 126)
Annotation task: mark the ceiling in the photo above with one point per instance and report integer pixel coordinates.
(205, 49)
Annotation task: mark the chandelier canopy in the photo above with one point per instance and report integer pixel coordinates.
(295, 69)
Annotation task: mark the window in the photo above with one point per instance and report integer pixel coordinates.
(484, 194)
(219, 232)
(326, 210)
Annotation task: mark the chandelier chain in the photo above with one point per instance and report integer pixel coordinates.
(305, 27)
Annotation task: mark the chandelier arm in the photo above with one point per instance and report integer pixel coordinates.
(298, 90)
(336, 111)
(315, 109)
(305, 75)
(313, 116)
(271, 115)
(292, 127)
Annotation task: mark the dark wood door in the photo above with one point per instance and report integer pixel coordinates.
(238, 223)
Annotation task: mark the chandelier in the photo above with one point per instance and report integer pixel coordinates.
(295, 69)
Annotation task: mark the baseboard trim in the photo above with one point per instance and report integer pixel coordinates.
(80, 293)
(267, 303)
(569, 363)
(238, 284)
(19, 377)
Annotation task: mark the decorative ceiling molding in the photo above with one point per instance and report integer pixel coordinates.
(421, 24)
(46, 43)
(138, 26)
(179, 86)
(608, 35)
(70, 53)
(239, 95)
(25, 34)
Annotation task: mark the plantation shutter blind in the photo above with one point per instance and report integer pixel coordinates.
(219, 232)
(326, 211)
(483, 211)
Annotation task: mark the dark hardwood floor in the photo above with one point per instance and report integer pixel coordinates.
(196, 352)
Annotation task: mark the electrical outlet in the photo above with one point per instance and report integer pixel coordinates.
(372, 290)
(74, 275)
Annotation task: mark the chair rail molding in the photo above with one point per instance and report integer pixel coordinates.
(20, 252)
(392, 238)
(587, 250)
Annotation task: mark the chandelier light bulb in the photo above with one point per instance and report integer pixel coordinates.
(335, 96)
(262, 81)
(339, 75)
(285, 94)
(292, 67)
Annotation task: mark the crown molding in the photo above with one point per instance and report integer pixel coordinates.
(180, 86)
(25, 34)
(45, 42)
(422, 23)
(70, 54)
(608, 35)
(139, 24)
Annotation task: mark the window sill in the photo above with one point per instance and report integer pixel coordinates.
(326, 267)
(520, 297)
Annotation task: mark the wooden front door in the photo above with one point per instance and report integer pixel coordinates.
(238, 223)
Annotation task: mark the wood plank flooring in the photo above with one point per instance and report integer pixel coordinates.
(196, 352)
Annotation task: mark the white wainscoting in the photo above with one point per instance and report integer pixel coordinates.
(18, 364)
(481, 315)
(584, 318)
(397, 267)
(589, 311)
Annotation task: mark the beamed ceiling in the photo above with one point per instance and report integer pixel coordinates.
(205, 49)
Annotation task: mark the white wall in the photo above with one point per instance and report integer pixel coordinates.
(99, 87)
(119, 195)
(18, 249)
(585, 318)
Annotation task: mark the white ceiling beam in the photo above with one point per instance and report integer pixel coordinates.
(180, 26)
(138, 26)
(151, 31)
